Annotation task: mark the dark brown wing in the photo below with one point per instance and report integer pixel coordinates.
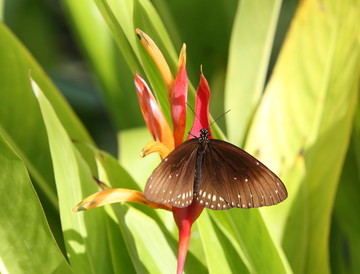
(173, 180)
(233, 178)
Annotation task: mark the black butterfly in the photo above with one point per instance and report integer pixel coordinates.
(217, 174)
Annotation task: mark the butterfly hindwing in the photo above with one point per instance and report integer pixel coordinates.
(173, 180)
(233, 178)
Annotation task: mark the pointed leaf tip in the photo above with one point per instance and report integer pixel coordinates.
(36, 89)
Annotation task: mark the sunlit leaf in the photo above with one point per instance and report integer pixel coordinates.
(308, 110)
(21, 122)
(26, 238)
(250, 47)
(85, 237)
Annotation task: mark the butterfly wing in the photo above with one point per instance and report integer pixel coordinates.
(173, 180)
(233, 178)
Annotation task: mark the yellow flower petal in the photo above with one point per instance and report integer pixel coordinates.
(117, 195)
(154, 146)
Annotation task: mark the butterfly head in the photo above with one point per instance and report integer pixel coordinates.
(204, 135)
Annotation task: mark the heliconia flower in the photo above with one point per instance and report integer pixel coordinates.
(164, 139)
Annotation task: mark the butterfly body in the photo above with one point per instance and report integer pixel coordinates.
(217, 174)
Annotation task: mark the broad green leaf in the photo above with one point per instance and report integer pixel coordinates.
(250, 48)
(21, 122)
(26, 239)
(249, 236)
(220, 255)
(145, 241)
(84, 234)
(308, 110)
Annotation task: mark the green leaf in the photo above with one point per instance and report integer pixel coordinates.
(252, 241)
(220, 255)
(145, 241)
(21, 122)
(84, 234)
(250, 48)
(26, 239)
(307, 112)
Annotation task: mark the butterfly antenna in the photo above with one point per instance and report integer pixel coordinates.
(219, 117)
(193, 111)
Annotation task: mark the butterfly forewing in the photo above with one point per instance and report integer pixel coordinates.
(173, 180)
(238, 178)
